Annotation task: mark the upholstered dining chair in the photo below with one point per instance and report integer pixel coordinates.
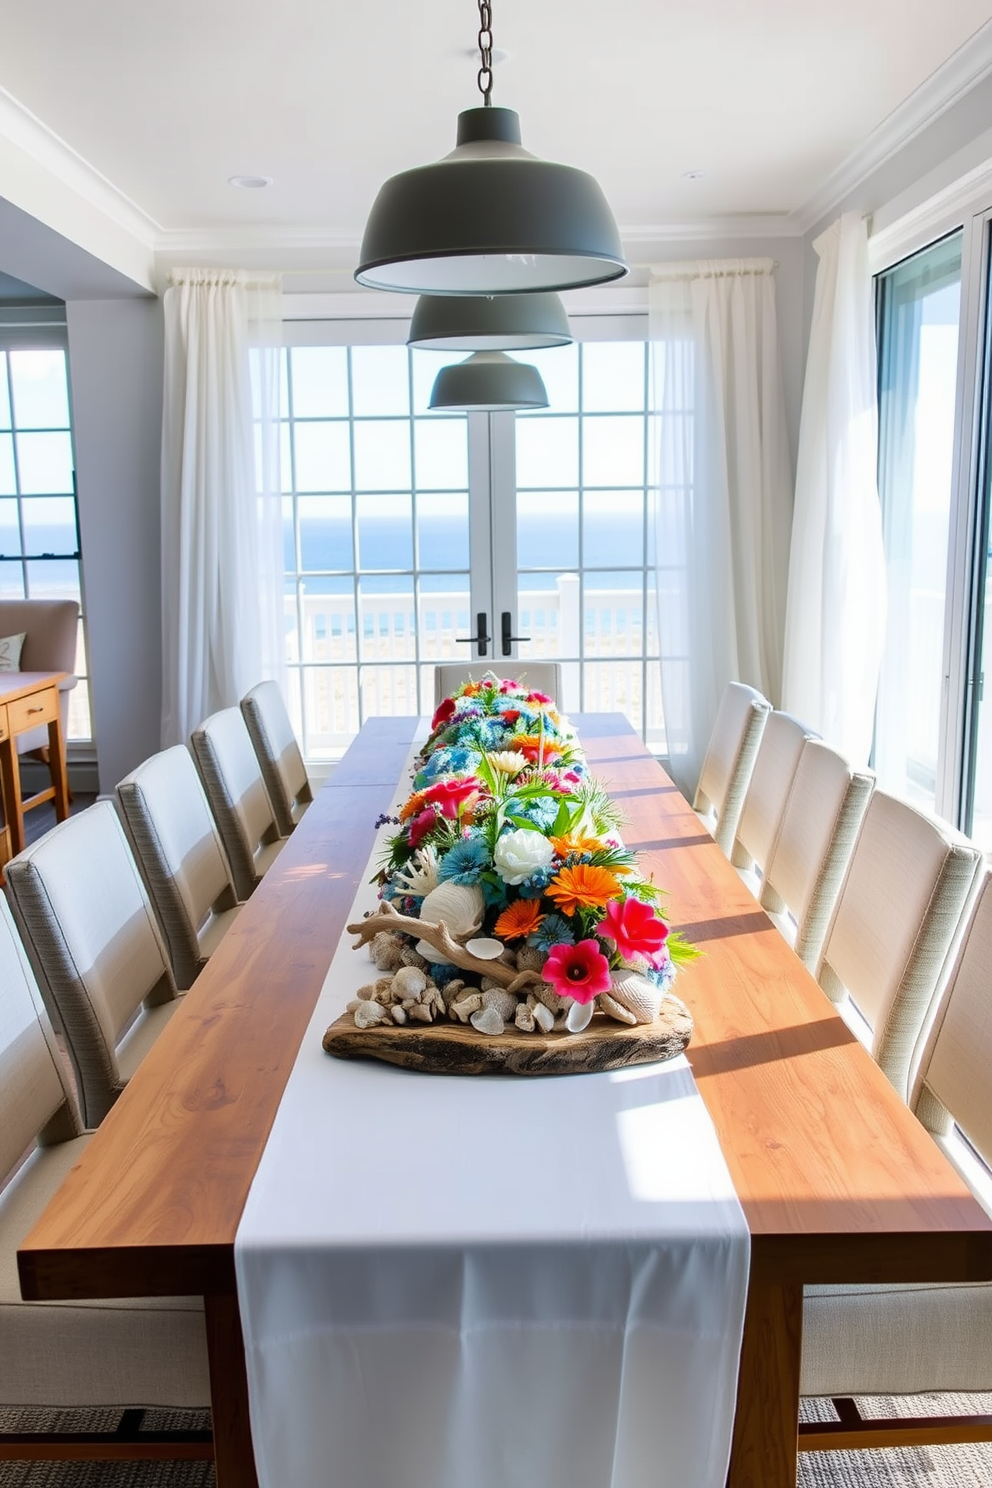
(729, 760)
(89, 930)
(813, 846)
(178, 849)
(767, 794)
(916, 1339)
(50, 631)
(896, 922)
(114, 1353)
(541, 676)
(278, 754)
(232, 779)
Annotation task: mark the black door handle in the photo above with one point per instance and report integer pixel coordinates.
(481, 637)
(506, 625)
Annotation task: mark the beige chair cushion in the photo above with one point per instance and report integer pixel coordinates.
(232, 779)
(178, 849)
(768, 790)
(730, 757)
(900, 912)
(93, 942)
(50, 629)
(113, 1352)
(540, 676)
(278, 754)
(816, 838)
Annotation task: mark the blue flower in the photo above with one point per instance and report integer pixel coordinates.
(542, 811)
(534, 887)
(663, 976)
(494, 892)
(446, 762)
(553, 930)
(465, 862)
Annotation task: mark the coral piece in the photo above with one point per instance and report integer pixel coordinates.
(470, 1003)
(412, 957)
(504, 1002)
(386, 950)
(524, 1018)
(422, 1012)
(529, 958)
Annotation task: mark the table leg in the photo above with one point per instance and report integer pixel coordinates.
(57, 767)
(766, 1428)
(10, 775)
(235, 1458)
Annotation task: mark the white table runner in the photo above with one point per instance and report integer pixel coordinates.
(489, 1282)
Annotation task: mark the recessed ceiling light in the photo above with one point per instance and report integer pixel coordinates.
(693, 175)
(250, 183)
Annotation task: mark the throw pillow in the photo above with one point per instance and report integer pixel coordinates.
(10, 652)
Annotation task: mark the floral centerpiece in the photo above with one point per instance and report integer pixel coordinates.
(508, 896)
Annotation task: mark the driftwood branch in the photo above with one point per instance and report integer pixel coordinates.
(437, 936)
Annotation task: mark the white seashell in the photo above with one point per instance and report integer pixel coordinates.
(579, 1016)
(485, 949)
(460, 906)
(614, 1009)
(504, 1002)
(524, 1018)
(637, 994)
(409, 981)
(398, 1014)
(543, 1017)
(487, 1020)
(368, 1014)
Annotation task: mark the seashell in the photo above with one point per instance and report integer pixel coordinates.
(637, 994)
(497, 997)
(398, 1014)
(529, 958)
(368, 1014)
(410, 957)
(409, 981)
(543, 1017)
(422, 1012)
(485, 948)
(468, 1004)
(460, 906)
(614, 1009)
(386, 950)
(487, 1020)
(579, 1016)
(452, 991)
(366, 993)
(524, 1018)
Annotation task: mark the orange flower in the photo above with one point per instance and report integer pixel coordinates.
(575, 842)
(520, 919)
(413, 805)
(583, 887)
(530, 745)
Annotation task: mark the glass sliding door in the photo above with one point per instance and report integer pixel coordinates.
(918, 310)
(977, 802)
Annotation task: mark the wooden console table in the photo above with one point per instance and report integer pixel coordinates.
(29, 700)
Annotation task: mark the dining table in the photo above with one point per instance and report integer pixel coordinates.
(838, 1181)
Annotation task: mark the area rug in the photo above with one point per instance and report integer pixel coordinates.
(104, 1474)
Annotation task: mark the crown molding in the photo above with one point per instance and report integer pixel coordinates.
(940, 212)
(962, 71)
(20, 127)
(716, 229)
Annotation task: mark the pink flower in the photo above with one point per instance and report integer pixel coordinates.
(636, 930)
(508, 685)
(580, 971)
(538, 697)
(422, 825)
(449, 795)
(446, 709)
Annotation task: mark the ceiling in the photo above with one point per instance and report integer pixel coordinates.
(765, 98)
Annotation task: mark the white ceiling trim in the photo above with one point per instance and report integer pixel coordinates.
(25, 130)
(962, 71)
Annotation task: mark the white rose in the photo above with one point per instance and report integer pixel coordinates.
(520, 853)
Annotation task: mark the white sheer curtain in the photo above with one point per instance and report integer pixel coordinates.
(835, 619)
(221, 538)
(724, 492)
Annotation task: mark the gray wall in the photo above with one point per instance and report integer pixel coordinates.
(115, 369)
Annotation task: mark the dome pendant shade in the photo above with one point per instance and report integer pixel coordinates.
(489, 219)
(482, 323)
(488, 382)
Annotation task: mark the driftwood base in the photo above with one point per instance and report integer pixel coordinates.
(453, 1049)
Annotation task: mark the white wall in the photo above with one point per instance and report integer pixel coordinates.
(115, 369)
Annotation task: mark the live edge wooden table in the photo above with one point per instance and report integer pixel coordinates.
(838, 1181)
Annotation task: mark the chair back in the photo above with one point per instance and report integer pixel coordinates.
(34, 1097)
(539, 676)
(899, 915)
(236, 791)
(278, 754)
(768, 790)
(730, 757)
(89, 930)
(178, 849)
(816, 838)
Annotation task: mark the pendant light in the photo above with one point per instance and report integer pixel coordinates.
(490, 218)
(489, 382)
(521, 322)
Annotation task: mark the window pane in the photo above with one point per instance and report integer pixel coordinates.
(387, 618)
(10, 536)
(919, 303)
(548, 614)
(330, 709)
(444, 609)
(379, 380)
(441, 453)
(612, 376)
(288, 536)
(80, 726)
(329, 632)
(613, 451)
(325, 532)
(547, 529)
(44, 463)
(11, 581)
(385, 531)
(8, 478)
(442, 530)
(613, 608)
(320, 381)
(53, 580)
(547, 452)
(4, 394)
(559, 369)
(382, 456)
(50, 525)
(323, 459)
(39, 388)
(389, 691)
(613, 527)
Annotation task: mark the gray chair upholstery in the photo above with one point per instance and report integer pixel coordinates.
(913, 1339)
(50, 629)
(240, 803)
(278, 754)
(909, 884)
(775, 766)
(813, 847)
(541, 676)
(120, 1352)
(90, 932)
(178, 849)
(730, 757)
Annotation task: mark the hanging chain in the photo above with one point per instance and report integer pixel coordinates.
(485, 78)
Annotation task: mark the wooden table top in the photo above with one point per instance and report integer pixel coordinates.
(838, 1180)
(14, 685)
